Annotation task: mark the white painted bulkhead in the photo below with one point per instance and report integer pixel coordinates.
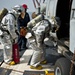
(51, 8)
(72, 28)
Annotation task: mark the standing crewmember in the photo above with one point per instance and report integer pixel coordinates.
(23, 19)
(10, 21)
(40, 31)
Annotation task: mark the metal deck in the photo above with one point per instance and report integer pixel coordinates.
(23, 67)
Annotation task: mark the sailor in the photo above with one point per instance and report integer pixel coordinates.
(39, 31)
(23, 19)
(10, 21)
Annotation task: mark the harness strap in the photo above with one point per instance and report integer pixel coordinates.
(13, 15)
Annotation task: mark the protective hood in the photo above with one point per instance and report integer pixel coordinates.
(14, 13)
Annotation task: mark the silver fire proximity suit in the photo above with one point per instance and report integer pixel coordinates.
(40, 31)
(10, 21)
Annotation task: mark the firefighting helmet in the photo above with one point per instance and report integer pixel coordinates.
(18, 9)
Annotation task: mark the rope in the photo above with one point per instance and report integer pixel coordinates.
(38, 3)
(34, 3)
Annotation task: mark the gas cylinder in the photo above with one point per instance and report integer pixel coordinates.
(16, 57)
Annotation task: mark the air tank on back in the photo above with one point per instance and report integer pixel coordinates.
(34, 21)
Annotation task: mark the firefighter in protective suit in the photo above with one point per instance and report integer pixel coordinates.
(10, 20)
(39, 32)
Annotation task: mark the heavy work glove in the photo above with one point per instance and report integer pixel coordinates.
(23, 31)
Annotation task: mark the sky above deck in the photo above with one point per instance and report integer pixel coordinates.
(11, 3)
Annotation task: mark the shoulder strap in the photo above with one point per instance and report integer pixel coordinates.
(13, 15)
